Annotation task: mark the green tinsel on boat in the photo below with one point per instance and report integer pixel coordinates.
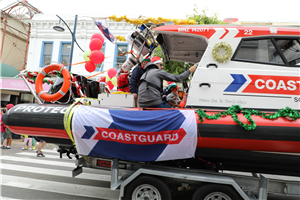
(287, 112)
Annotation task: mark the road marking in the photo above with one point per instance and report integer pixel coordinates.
(63, 173)
(43, 150)
(39, 161)
(33, 154)
(58, 187)
(46, 150)
(6, 198)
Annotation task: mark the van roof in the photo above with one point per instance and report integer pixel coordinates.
(187, 43)
(209, 30)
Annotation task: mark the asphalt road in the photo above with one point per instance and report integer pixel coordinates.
(26, 176)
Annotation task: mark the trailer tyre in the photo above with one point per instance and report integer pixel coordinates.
(216, 192)
(147, 187)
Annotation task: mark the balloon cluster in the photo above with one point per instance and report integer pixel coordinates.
(94, 55)
(111, 79)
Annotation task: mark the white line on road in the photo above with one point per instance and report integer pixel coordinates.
(33, 154)
(54, 172)
(38, 161)
(6, 198)
(58, 187)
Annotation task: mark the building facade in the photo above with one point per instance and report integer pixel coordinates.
(15, 30)
(48, 45)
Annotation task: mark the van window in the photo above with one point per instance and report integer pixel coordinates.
(259, 51)
(290, 49)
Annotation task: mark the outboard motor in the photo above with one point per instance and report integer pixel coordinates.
(70, 96)
(94, 89)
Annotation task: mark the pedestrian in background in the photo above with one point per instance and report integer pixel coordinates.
(33, 144)
(8, 133)
(28, 139)
(41, 144)
(3, 127)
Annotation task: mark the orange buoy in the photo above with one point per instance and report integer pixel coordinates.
(63, 90)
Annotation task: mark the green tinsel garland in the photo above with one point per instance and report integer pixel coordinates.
(29, 75)
(233, 110)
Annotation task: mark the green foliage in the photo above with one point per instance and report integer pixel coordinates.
(176, 67)
(203, 18)
(173, 67)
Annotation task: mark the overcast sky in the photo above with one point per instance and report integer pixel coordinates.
(244, 10)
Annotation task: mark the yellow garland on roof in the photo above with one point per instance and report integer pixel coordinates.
(121, 38)
(152, 20)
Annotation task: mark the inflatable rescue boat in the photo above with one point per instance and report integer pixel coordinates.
(272, 147)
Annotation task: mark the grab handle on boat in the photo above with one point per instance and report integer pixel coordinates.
(204, 84)
(211, 64)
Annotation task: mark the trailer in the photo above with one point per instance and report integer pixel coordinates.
(144, 181)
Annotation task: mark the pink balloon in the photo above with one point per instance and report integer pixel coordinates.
(99, 36)
(89, 66)
(110, 85)
(96, 56)
(95, 44)
(112, 72)
(102, 79)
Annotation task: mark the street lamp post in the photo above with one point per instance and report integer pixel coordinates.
(61, 29)
(72, 43)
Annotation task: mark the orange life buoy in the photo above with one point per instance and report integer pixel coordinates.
(63, 90)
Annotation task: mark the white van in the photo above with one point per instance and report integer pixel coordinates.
(253, 66)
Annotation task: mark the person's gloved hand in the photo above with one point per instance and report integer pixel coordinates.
(118, 74)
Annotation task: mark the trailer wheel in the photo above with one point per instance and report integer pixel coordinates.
(147, 188)
(216, 192)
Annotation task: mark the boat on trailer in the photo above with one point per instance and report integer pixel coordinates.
(251, 67)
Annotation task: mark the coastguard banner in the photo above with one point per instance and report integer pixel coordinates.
(135, 135)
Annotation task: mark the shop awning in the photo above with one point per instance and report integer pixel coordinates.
(8, 70)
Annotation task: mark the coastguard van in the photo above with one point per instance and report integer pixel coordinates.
(252, 66)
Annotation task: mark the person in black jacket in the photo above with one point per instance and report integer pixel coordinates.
(135, 77)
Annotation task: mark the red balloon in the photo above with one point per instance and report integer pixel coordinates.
(102, 79)
(89, 66)
(112, 72)
(96, 56)
(95, 44)
(110, 85)
(99, 36)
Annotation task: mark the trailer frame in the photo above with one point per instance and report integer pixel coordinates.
(124, 172)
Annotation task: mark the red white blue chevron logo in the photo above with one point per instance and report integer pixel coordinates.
(267, 84)
(237, 83)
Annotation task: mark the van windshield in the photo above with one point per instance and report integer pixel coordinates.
(265, 51)
(290, 50)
